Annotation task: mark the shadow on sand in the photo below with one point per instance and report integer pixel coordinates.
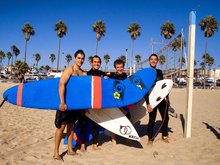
(212, 129)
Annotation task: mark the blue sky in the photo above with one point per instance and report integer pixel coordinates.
(79, 16)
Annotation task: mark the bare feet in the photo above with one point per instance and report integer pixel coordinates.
(57, 157)
(72, 153)
(150, 142)
(95, 147)
(165, 139)
(114, 143)
(83, 148)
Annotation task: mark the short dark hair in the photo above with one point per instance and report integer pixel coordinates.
(96, 56)
(119, 61)
(153, 55)
(80, 51)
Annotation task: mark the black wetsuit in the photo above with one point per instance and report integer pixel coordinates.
(162, 109)
(118, 76)
(83, 122)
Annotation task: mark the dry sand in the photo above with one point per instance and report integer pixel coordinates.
(27, 136)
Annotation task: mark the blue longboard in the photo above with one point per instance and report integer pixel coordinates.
(83, 92)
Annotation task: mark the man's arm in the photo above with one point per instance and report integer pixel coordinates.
(62, 87)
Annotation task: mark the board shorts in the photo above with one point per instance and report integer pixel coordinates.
(67, 117)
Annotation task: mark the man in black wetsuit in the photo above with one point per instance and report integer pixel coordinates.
(94, 71)
(163, 107)
(119, 75)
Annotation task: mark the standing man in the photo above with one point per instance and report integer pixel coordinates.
(119, 75)
(94, 71)
(65, 117)
(162, 107)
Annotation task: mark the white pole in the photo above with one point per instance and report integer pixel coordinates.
(190, 71)
(126, 54)
(134, 70)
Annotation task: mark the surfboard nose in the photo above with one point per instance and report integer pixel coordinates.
(10, 95)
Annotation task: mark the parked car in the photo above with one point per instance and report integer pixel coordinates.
(197, 84)
(218, 82)
(209, 83)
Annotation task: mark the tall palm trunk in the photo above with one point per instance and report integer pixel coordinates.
(132, 52)
(181, 58)
(167, 58)
(25, 51)
(58, 60)
(206, 46)
(15, 58)
(96, 50)
(8, 61)
(12, 60)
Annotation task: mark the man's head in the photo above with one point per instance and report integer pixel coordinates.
(79, 57)
(96, 62)
(119, 66)
(153, 59)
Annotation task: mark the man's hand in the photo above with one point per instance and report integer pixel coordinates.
(62, 107)
(149, 108)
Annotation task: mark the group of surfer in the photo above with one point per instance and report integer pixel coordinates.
(68, 118)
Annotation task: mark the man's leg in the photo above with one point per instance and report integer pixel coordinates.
(58, 137)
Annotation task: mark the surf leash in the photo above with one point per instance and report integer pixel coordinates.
(3, 101)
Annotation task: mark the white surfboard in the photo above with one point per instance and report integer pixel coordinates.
(161, 89)
(115, 121)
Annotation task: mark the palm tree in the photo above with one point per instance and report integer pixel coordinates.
(2, 56)
(209, 25)
(90, 59)
(47, 67)
(208, 60)
(16, 52)
(161, 60)
(20, 69)
(41, 68)
(135, 30)
(176, 45)
(211, 61)
(37, 58)
(106, 59)
(61, 29)
(138, 59)
(9, 56)
(123, 58)
(68, 58)
(100, 29)
(52, 59)
(183, 60)
(28, 31)
(167, 30)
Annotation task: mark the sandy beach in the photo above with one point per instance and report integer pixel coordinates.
(27, 136)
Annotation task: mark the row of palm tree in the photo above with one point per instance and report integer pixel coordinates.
(209, 25)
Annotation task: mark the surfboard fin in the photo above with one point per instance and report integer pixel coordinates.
(164, 86)
(159, 98)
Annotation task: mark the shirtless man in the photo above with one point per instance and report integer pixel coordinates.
(63, 116)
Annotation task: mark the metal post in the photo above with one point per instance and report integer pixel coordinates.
(126, 54)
